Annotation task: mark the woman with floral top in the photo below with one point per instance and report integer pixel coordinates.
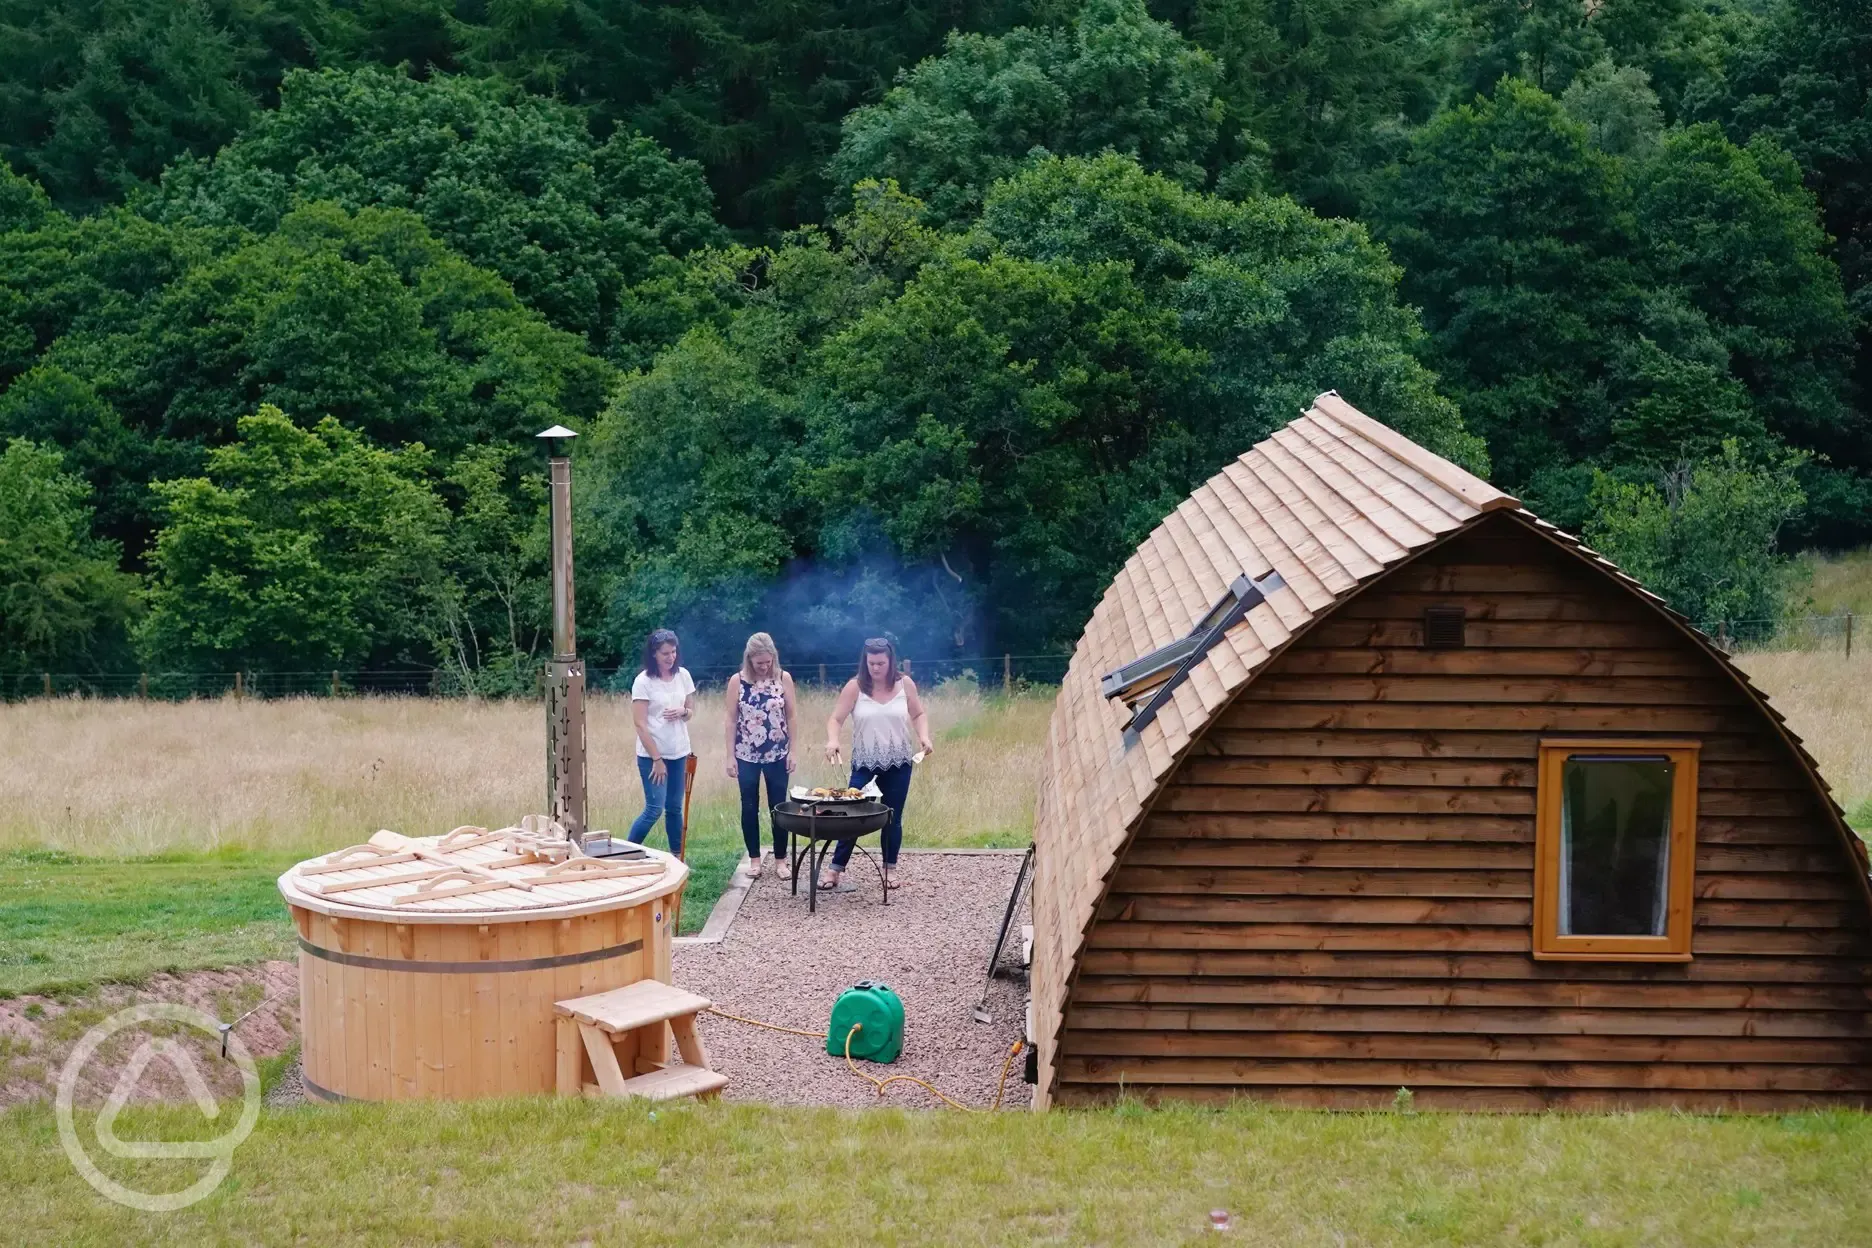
(762, 718)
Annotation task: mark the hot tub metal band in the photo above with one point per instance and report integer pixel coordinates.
(468, 968)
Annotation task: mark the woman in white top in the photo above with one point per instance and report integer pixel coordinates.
(662, 701)
(889, 728)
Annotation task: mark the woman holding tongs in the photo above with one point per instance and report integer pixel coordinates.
(890, 735)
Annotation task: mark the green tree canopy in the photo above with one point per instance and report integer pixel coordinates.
(995, 419)
(63, 603)
(300, 549)
(1703, 535)
(1115, 81)
(172, 332)
(1318, 91)
(514, 183)
(1625, 311)
(97, 96)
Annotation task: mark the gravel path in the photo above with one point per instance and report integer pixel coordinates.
(931, 944)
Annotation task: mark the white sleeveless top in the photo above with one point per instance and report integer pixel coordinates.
(881, 731)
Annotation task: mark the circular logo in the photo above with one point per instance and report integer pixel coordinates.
(219, 1152)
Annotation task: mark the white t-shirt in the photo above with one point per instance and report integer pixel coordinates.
(671, 735)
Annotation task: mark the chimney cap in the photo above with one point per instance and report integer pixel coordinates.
(557, 431)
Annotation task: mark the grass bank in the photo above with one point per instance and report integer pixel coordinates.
(540, 1172)
(153, 842)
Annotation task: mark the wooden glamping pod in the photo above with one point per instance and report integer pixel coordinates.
(1363, 777)
(428, 966)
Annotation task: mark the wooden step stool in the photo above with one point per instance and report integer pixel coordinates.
(629, 1029)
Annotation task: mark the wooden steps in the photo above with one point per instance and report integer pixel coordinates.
(629, 1029)
(669, 1083)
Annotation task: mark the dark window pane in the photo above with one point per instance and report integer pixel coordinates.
(1614, 845)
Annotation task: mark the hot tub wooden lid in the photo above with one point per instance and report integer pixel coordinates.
(473, 875)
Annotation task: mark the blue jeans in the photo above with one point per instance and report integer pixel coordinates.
(661, 797)
(750, 775)
(894, 782)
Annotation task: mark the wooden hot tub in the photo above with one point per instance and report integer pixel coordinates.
(428, 966)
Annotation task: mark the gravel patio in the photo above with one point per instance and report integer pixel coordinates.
(782, 965)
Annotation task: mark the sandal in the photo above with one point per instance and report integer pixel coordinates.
(841, 882)
(751, 868)
(892, 879)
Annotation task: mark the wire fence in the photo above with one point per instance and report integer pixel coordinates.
(1794, 632)
(1009, 672)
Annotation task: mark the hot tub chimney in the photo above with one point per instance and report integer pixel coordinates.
(565, 675)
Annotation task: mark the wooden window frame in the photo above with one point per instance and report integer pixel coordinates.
(1674, 945)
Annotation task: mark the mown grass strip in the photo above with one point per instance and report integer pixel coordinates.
(545, 1172)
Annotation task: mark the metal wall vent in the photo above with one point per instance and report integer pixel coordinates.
(1444, 628)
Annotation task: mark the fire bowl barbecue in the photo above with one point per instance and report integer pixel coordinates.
(824, 824)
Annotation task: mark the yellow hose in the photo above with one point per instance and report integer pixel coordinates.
(755, 1022)
(1013, 1051)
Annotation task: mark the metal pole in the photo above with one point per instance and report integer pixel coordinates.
(565, 676)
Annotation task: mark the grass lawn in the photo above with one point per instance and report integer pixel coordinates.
(154, 843)
(542, 1172)
(68, 922)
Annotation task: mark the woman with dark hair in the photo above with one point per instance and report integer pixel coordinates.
(662, 701)
(890, 734)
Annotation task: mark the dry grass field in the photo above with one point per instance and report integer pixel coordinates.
(1827, 699)
(125, 778)
(130, 778)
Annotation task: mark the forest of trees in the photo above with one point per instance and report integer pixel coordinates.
(909, 318)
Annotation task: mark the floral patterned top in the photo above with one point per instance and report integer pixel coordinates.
(761, 726)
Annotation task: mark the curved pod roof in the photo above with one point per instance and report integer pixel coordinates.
(1330, 503)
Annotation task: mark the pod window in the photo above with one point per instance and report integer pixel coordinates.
(1615, 850)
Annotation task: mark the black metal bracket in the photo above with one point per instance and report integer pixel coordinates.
(1247, 594)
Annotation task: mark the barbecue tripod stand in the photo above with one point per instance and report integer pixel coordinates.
(1007, 921)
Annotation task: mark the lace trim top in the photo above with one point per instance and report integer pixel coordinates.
(760, 723)
(881, 731)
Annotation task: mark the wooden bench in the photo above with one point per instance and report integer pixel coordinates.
(629, 1029)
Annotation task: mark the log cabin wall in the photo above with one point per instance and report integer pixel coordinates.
(1332, 898)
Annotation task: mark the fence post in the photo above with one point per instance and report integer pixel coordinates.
(1007, 671)
(1849, 616)
(822, 675)
(435, 682)
(334, 684)
(45, 679)
(143, 686)
(906, 665)
(240, 689)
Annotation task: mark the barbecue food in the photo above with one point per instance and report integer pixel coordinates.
(842, 794)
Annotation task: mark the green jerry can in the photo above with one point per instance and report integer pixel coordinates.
(878, 1014)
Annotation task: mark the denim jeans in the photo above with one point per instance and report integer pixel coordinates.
(661, 797)
(749, 775)
(895, 784)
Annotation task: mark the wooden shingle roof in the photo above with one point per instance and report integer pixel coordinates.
(1330, 502)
